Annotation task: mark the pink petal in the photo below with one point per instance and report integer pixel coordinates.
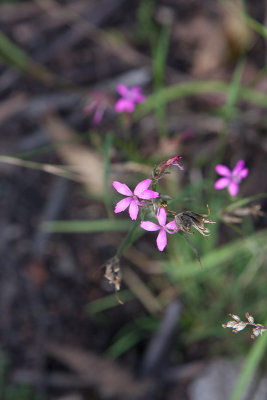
(129, 105)
(233, 188)
(171, 227)
(122, 90)
(162, 240)
(222, 183)
(98, 116)
(133, 210)
(238, 168)
(149, 226)
(122, 188)
(120, 106)
(243, 174)
(142, 186)
(162, 216)
(148, 194)
(136, 94)
(122, 205)
(223, 170)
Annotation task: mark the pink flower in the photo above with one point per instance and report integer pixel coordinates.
(162, 228)
(231, 179)
(129, 97)
(132, 199)
(100, 102)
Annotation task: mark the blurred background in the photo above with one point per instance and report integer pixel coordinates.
(63, 333)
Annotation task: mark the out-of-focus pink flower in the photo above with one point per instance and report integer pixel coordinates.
(100, 102)
(132, 200)
(162, 228)
(129, 97)
(160, 168)
(231, 179)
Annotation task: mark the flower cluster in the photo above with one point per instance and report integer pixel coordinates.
(238, 325)
(144, 199)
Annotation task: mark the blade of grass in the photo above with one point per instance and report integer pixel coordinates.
(126, 342)
(20, 60)
(194, 88)
(218, 257)
(252, 362)
(50, 168)
(234, 89)
(129, 239)
(107, 302)
(142, 291)
(107, 153)
(243, 202)
(160, 57)
(100, 225)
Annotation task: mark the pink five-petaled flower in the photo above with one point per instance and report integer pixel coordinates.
(162, 228)
(231, 178)
(132, 199)
(129, 97)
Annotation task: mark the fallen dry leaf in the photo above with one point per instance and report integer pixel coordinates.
(79, 158)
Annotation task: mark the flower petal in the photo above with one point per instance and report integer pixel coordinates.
(222, 183)
(122, 90)
(98, 116)
(233, 188)
(148, 194)
(162, 216)
(162, 240)
(122, 205)
(120, 105)
(149, 226)
(136, 95)
(122, 188)
(238, 168)
(244, 173)
(142, 186)
(129, 105)
(171, 227)
(133, 209)
(222, 170)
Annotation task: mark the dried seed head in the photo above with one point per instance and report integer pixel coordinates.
(113, 273)
(188, 219)
(239, 326)
(249, 318)
(235, 317)
(256, 332)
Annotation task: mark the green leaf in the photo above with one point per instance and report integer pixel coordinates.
(99, 225)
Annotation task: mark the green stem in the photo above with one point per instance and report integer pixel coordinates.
(128, 240)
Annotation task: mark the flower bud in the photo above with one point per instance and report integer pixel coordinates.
(159, 170)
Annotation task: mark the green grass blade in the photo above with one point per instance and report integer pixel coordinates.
(194, 88)
(215, 258)
(99, 225)
(18, 59)
(107, 153)
(246, 200)
(234, 89)
(110, 301)
(126, 342)
(255, 355)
